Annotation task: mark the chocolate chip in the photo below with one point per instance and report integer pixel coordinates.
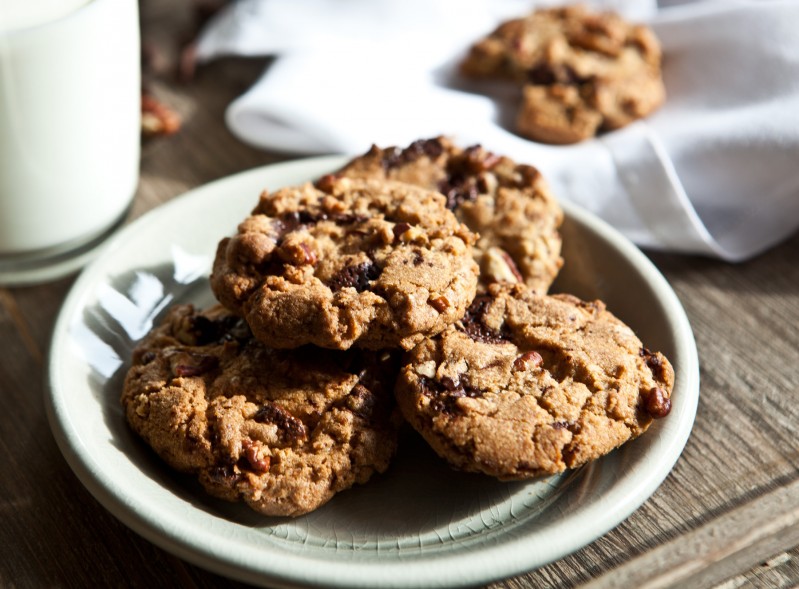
(542, 74)
(458, 189)
(293, 220)
(447, 391)
(656, 403)
(362, 402)
(396, 157)
(450, 383)
(654, 362)
(207, 331)
(223, 475)
(547, 74)
(473, 326)
(291, 427)
(356, 276)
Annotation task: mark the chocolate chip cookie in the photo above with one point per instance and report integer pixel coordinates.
(281, 430)
(580, 72)
(508, 204)
(527, 385)
(371, 263)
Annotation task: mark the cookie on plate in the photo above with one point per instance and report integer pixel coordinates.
(508, 205)
(581, 72)
(527, 385)
(281, 430)
(370, 263)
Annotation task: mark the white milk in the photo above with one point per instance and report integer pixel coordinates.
(69, 121)
(19, 14)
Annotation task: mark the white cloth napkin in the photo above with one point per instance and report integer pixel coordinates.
(715, 171)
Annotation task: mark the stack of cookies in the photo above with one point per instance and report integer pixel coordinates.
(408, 286)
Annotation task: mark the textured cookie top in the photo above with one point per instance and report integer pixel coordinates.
(366, 262)
(582, 72)
(282, 430)
(508, 205)
(531, 384)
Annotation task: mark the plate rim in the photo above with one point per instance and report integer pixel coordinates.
(384, 574)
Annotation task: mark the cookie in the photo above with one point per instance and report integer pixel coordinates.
(281, 430)
(370, 263)
(528, 385)
(581, 72)
(508, 205)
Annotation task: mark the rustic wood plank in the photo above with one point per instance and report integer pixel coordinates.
(716, 551)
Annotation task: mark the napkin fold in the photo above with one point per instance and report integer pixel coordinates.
(715, 171)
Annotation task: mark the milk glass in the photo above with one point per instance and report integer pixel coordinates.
(69, 130)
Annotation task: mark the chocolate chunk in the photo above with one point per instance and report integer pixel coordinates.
(291, 427)
(224, 475)
(473, 326)
(654, 362)
(207, 331)
(656, 403)
(458, 189)
(357, 276)
(394, 158)
(447, 391)
(547, 74)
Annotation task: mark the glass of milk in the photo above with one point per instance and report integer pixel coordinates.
(69, 131)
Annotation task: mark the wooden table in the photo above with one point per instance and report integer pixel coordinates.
(727, 515)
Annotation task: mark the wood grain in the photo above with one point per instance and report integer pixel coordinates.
(744, 537)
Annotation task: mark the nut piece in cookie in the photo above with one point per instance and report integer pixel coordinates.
(508, 205)
(283, 431)
(528, 385)
(580, 72)
(371, 263)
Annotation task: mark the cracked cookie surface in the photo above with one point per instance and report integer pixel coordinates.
(370, 263)
(281, 430)
(527, 385)
(508, 205)
(581, 72)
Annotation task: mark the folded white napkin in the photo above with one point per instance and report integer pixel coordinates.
(715, 171)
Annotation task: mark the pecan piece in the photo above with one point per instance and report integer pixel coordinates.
(252, 454)
(528, 360)
(440, 303)
(498, 266)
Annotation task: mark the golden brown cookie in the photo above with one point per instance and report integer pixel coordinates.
(526, 385)
(281, 430)
(371, 263)
(581, 72)
(508, 205)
